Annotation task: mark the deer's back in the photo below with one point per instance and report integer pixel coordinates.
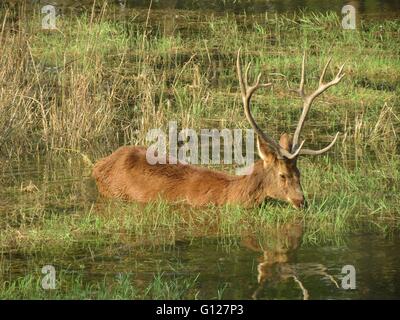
(126, 174)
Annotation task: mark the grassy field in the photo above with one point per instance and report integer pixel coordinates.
(103, 80)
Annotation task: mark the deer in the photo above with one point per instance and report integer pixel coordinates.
(127, 175)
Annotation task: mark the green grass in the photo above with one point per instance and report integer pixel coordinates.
(119, 286)
(115, 76)
(64, 219)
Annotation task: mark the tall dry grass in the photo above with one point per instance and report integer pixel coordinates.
(102, 80)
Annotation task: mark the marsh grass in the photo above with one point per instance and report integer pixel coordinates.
(117, 286)
(65, 219)
(104, 80)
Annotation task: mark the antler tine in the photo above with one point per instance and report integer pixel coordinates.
(340, 73)
(247, 91)
(318, 152)
(246, 96)
(309, 99)
(297, 152)
(301, 88)
(321, 79)
(246, 74)
(239, 72)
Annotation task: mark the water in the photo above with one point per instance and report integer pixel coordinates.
(258, 264)
(249, 274)
(367, 9)
(364, 7)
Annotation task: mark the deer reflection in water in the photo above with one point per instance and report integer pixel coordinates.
(279, 245)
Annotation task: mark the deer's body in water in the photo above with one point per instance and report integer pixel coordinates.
(127, 174)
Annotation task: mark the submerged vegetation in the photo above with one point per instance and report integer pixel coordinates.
(104, 78)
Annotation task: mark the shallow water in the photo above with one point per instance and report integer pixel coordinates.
(239, 271)
(257, 265)
(371, 7)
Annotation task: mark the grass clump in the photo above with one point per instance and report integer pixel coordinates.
(120, 287)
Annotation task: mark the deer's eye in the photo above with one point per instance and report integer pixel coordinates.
(282, 176)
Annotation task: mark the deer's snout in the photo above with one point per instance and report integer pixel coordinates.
(298, 203)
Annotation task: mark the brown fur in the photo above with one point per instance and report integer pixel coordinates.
(126, 174)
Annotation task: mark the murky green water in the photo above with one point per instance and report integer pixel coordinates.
(242, 273)
(367, 7)
(364, 7)
(259, 265)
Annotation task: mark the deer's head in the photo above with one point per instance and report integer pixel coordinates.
(280, 159)
(282, 173)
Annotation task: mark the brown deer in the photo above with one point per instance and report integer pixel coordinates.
(126, 174)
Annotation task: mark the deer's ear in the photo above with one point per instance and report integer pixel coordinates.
(264, 151)
(286, 142)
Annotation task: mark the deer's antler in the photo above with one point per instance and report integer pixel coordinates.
(247, 91)
(307, 102)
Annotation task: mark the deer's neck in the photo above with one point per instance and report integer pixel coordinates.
(251, 189)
